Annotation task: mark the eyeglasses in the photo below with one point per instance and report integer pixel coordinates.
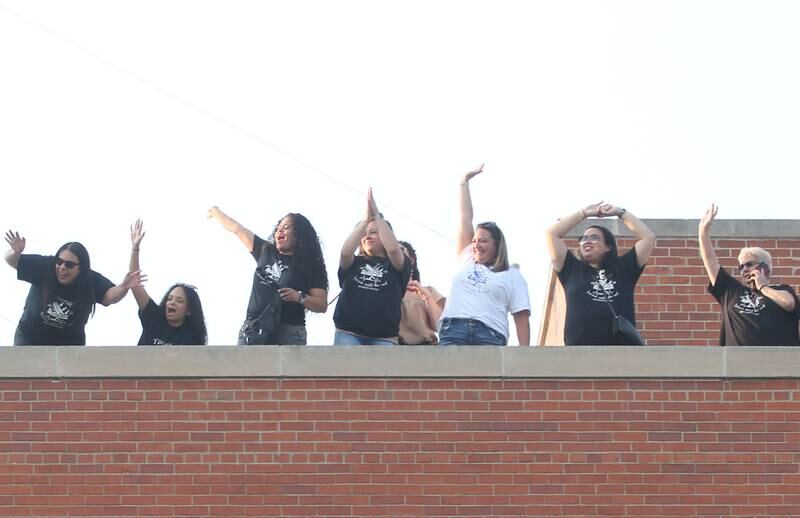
(592, 238)
(750, 264)
(69, 265)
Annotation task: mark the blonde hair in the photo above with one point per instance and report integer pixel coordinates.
(501, 261)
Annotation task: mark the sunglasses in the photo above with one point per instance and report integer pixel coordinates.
(69, 265)
(593, 238)
(751, 264)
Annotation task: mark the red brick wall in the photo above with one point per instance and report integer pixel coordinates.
(672, 304)
(307, 447)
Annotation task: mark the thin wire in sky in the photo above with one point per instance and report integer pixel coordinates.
(219, 120)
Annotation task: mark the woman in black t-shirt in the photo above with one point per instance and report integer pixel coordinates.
(373, 283)
(290, 278)
(64, 291)
(596, 275)
(178, 319)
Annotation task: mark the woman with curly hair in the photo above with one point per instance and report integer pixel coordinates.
(290, 278)
(178, 319)
(63, 294)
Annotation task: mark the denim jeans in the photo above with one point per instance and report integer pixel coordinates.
(468, 331)
(345, 338)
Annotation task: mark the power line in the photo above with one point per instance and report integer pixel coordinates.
(219, 119)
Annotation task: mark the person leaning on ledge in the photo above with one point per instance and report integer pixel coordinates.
(754, 312)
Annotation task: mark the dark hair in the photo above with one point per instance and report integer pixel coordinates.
(195, 320)
(501, 260)
(413, 255)
(84, 288)
(610, 259)
(307, 254)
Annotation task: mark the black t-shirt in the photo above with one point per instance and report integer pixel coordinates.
(372, 293)
(157, 331)
(275, 270)
(60, 323)
(589, 319)
(749, 318)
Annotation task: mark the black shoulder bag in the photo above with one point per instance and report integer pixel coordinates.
(262, 329)
(622, 329)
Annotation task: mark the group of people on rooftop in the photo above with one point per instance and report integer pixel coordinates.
(382, 301)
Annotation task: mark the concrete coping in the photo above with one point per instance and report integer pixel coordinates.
(399, 362)
(687, 228)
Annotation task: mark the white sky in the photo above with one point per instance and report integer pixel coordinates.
(113, 110)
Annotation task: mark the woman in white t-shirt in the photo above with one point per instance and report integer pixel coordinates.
(485, 289)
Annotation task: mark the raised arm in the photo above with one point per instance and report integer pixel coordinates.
(116, 293)
(393, 249)
(465, 228)
(555, 234)
(350, 245)
(137, 234)
(244, 234)
(645, 238)
(16, 244)
(707, 252)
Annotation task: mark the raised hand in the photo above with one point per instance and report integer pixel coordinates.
(372, 207)
(214, 213)
(15, 241)
(133, 279)
(606, 210)
(592, 211)
(708, 219)
(137, 234)
(470, 175)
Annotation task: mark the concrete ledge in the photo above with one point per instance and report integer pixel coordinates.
(687, 228)
(399, 362)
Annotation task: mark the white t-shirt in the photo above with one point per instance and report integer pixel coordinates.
(478, 292)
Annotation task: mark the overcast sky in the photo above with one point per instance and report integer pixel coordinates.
(113, 110)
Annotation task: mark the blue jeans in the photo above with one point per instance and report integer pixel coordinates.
(345, 338)
(468, 331)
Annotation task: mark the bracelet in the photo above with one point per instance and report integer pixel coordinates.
(621, 213)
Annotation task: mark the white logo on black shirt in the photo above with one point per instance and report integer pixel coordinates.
(602, 288)
(58, 313)
(270, 274)
(371, 277)
(750, 304)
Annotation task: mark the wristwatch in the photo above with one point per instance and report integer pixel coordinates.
(302, 298)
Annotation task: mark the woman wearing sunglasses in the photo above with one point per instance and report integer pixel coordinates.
(178, 319)
(754, 311)
(485, 289)
(289, 278)
(596, 276)
(64, 291)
